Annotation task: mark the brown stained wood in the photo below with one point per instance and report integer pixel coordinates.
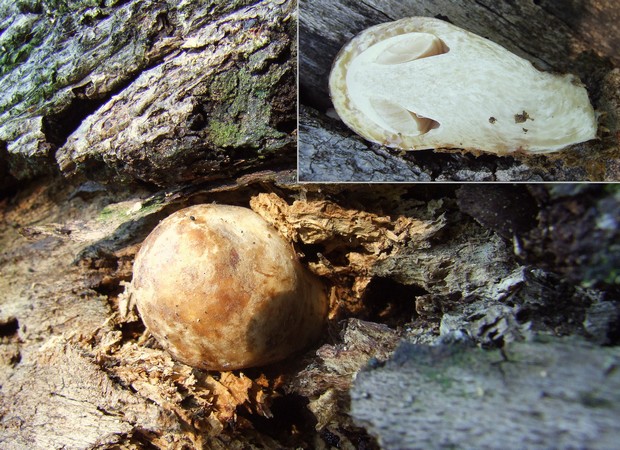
(595, 21)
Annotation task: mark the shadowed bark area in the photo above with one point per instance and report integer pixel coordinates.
(565, 39)
(157, 92)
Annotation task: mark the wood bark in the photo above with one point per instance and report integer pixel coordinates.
(554, 394)
(425, 264)
(553, 38)
(147, 91)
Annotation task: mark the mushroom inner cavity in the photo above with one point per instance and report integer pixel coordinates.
(387, 112)
(409, 47)
(400, 119)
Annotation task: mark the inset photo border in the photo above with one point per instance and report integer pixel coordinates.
(572, 46)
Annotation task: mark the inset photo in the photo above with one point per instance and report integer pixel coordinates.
(419, 91)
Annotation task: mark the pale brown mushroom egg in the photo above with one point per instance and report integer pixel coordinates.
(220, 289)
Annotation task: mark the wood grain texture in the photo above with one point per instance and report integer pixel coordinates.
(555, 394)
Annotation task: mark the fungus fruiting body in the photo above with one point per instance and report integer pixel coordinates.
(220, 289)
(421, 83)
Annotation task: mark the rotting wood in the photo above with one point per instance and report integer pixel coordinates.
(404, 262)
(541, 394)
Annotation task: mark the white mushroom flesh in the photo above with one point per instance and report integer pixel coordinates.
(421, 83)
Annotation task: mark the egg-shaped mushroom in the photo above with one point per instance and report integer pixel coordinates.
(422, 83)
(220, 289)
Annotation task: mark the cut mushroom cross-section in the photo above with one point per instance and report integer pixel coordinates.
(421, 83)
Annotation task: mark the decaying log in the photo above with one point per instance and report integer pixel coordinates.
(194, 102)
(553, 38)
(401, 262)
(540, 394)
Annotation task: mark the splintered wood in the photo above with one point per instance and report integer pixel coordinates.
(351, 242)
(204, 402)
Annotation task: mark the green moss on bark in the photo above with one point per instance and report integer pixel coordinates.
(242, 113)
